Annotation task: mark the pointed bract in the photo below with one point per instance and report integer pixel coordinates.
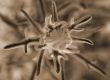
(83, 40)
(82, 21)
(54, 12)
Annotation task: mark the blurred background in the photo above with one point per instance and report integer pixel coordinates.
(14, 27)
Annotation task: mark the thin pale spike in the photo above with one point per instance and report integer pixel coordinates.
(89, 64)
(83, 40)
(39, 62)
(54, 11)
(35, 25)
(82, 21)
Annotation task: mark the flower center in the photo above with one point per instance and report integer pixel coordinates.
(58, 39)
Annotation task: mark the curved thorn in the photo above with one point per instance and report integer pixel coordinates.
(83, 40)
(35, 25)
(82, 21)
(54, 11)
(39, 62)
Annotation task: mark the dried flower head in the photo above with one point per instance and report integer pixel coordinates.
(56, 41)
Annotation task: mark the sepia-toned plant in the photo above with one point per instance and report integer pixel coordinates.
(55, 41)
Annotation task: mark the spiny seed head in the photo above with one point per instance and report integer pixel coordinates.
(58, 36)
(56, 39)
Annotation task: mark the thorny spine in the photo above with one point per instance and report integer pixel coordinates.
(39, 62)
(72, 26)
(54, 12)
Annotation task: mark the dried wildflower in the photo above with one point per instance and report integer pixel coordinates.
(56, 40)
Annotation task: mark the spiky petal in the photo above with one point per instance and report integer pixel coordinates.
(54, 12)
